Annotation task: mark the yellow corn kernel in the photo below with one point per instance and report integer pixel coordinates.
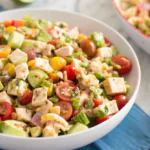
(9, 69)
(5, 50)
(81, 37)
(31, 64)
(10, 29)
(55, 110)
(50, 90)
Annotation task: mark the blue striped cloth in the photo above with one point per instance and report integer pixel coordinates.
(132, 134)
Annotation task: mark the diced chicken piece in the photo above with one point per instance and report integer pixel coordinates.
(57, 32)
(4, 97)
(132, 11)
(54, 123)
(104, 52)
(43, 64)
(73, 33)
(16, 87)
(39, 97)
(114, 86)
(39, 46)
(22, 71)
(45, 108)
(64, 51)
(18, 56)
(48, 50)
(76, 63)
(83, 97)
(112, 107)
(22, 87)
(24, 114)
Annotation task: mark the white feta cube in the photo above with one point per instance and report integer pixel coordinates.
(112, 107)
(22, 71)
(24, 114)
(114, 86)
(76, 63)
(18, 57)
(104, 52)
(64, 51)
(4, 97)
(39, 96)
(43, 64)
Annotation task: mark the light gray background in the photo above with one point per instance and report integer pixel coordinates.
(102, 10)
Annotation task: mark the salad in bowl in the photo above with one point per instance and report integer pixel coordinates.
(137, 13)
(54, 80)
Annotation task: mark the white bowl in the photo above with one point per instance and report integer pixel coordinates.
(72, 141)
(142, 40)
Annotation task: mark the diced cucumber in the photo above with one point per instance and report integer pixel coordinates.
(49, 85)
(28, 44)
(75, 102)
(89, 104)
(5, 38)
(15, 39)
(78, 127)
(45, 24)
(1, 86)
(43, 36)
(81, 118)
(36, 131)
(54, 99)
(36, 76)
(100, 76)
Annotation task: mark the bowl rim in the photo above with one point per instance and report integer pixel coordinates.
(115, 116)
(119, 11)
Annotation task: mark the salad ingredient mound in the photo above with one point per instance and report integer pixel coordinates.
(55, 80)
(138, 14)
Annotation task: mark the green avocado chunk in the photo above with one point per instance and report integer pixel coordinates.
(36, 76)
(15, 39)
(14, 128)
(78, 127)
(35, 131)
(43, 36)
(28, 44)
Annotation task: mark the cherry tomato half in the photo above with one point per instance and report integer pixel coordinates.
(75, 112)
(66, 109)
(108, 43)
(70, 72)
(88, 46)
(31, 54)
(26, 98)
(53, 42)
(123, 62)
(6, 111)
(100, 120)
(121, 100)
(17, 23)
(97, 102)
(64, 91)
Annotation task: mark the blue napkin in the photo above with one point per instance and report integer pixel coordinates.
(132, 134)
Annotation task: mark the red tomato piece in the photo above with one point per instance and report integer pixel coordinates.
(97, 102)
(48, 30)
(100, 120)
(75, 112)
(6, 111)
(26, 98)
(64, 91)
(121, 100)
(143, 6)
(123, 62)
(7, 23)
(108, 43)
(66, 109)
(53, 42)
(17, 23)
(31, 54)
(71, 72)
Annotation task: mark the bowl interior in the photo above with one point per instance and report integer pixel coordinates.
(87, 25)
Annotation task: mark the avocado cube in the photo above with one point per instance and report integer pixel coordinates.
(43, 36)
(15, 39)
(14, 128)
(35, 131)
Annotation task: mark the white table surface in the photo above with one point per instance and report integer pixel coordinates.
(102, 10)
